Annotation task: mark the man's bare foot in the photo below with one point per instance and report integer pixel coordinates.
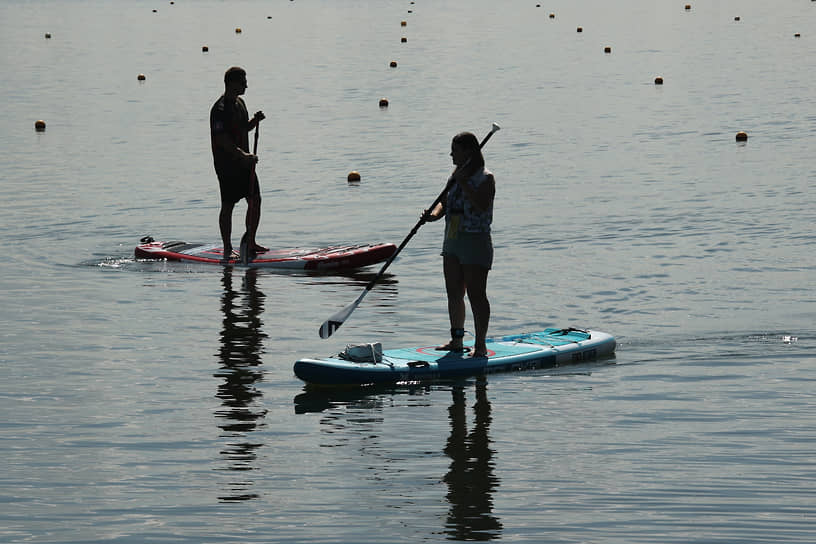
(258, 248)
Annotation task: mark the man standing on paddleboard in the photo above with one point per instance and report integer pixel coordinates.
(467, 252)
(234, 164)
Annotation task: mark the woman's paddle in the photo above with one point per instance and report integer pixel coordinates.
(334, 322)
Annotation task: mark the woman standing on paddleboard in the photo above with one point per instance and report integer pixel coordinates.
(467, 250)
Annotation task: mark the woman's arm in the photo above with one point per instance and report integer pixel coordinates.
(482, 196)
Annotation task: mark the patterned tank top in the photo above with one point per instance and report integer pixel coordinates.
(461, 215)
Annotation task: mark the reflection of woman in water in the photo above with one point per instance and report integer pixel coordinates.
(470, 478)
(240, 356)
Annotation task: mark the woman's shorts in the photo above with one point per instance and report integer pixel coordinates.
(470, 248)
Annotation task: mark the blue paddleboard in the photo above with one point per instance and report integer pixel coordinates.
(546, 349)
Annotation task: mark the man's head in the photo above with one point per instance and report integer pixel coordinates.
(235, 80)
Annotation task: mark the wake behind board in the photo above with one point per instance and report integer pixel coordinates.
(325, 258)
(549, 348)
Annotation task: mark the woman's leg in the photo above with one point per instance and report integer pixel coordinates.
(455, 288)
(475, 278)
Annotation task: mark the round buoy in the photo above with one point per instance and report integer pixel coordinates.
(410, 11)
(579, 29)
(47, 35)
(607, 49)
(658, 80)
(393, 64)
(403, 23)
(797, 35)
(155, 11)
(737, 18)
(383, 102)
(205, 49)
(404, 39)
(141, 77)
(552, 15)
(39, 125)
(538, 5)
(238, 30)
(268, 16)
(353, 176)
(688, 7)
(742, 136)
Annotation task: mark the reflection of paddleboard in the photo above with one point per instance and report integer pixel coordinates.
(546, 349)
(325, 258)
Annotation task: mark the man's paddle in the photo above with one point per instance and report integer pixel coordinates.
(334, 322)
(244, 252)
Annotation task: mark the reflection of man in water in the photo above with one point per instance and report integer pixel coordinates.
(470, 479)
(240, 356)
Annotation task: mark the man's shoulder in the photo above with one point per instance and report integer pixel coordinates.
(220, 105)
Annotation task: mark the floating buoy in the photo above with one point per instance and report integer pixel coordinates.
(552, 15)
(538, 5)
(410, 11)
(205, 49)
(47, 35)
(797, 35)
(403, 23)
(742, 136)
(688, 7)
(579, 29)
(607, 49)
(39, 125)
(353, 176)
(268, 16)
(393, 64)
(658, 80)
(404, 39)
(383, 102)
(141, 77)
(737, 18)
(155, 11)
(238, 30)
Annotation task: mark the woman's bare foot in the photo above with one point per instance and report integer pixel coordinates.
(453, 346)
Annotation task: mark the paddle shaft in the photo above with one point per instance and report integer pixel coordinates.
(254, 152)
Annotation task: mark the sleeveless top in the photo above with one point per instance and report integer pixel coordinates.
(461, 215)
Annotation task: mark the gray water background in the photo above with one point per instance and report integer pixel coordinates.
(155, 402)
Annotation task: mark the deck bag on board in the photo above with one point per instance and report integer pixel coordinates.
(363, 353)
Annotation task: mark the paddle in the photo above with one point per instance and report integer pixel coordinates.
(243, 250)
(334, 322)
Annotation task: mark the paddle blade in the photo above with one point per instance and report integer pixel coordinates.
(334, 322)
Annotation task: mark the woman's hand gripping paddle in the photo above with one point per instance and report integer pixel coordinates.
(334, 322)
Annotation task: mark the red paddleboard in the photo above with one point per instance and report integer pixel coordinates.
(324, 258)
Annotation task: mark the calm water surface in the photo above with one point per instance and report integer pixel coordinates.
(155, 402)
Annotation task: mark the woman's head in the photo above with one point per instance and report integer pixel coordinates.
(464, 148)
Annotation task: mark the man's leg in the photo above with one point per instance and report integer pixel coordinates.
(225, 224)
(253, 216)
